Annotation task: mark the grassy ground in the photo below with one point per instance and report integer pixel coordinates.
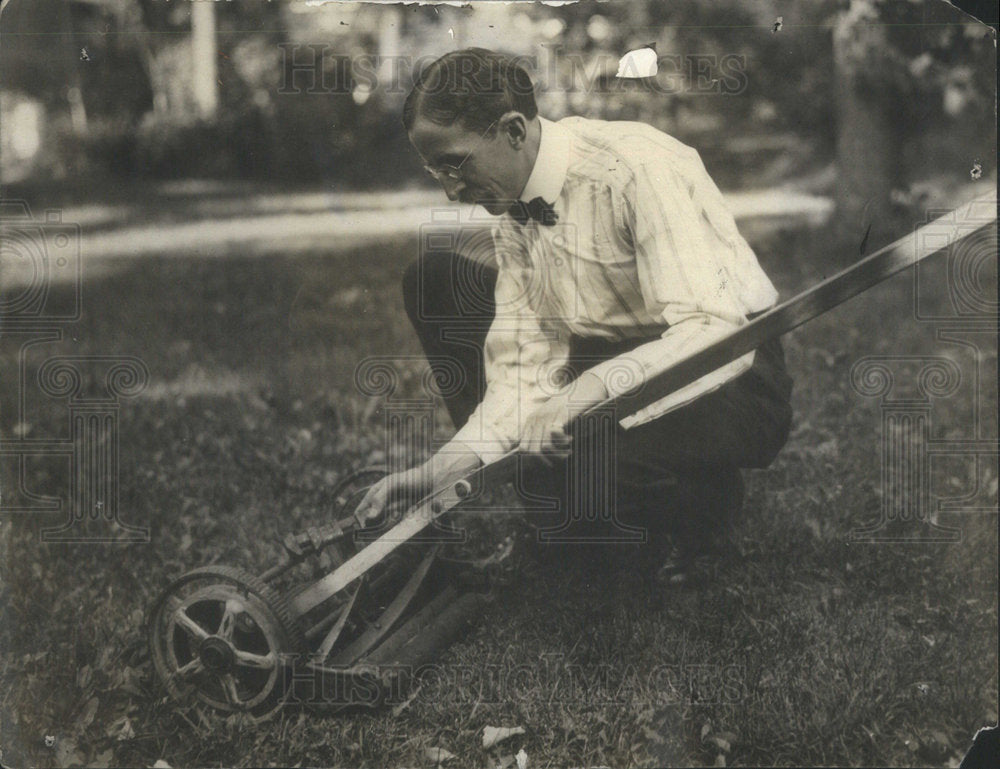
(803, 650)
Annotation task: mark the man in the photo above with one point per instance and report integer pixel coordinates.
(616, 256)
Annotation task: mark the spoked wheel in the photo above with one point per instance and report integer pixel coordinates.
(224, 636)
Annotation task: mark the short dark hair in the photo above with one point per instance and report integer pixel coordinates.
(473, 86)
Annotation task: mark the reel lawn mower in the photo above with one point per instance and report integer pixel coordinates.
(390, 597)
(246, 643)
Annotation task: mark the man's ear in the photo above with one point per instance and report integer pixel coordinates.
(514, 127)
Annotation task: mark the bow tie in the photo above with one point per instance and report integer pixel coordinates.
(536, 209)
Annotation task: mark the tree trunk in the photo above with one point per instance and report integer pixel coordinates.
(868, 130)
(204, 54)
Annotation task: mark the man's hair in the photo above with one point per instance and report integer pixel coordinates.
(474, 87)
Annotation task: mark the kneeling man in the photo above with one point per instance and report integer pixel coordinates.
(616, 256)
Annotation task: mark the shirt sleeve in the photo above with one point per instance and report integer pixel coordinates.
(682, 279)
(523, 355)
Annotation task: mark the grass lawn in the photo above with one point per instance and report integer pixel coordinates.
(805, 649)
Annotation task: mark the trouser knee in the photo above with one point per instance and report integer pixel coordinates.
(423, 280)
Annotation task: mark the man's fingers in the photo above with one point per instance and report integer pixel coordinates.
(372, 503)
(560, 439)
(546, 443)
(555, 441)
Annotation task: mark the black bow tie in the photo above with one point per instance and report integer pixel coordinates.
(536, 209)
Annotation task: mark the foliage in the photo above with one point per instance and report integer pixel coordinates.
(836, 654)
(932, 75)
(930, 66)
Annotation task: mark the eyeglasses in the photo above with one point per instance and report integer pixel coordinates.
(454, 173)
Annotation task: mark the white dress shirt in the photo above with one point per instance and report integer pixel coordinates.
(644, 246)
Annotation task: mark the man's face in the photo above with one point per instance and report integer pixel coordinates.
(489, 168)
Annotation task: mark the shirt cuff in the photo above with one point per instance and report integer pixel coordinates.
(620, 375)
(483, 439)
(690, 392)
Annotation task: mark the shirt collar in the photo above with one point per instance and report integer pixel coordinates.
(551, 163)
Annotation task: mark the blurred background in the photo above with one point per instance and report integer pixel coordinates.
(878, 105)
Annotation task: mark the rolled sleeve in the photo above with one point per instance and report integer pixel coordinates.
(519, 353)
(683, 282)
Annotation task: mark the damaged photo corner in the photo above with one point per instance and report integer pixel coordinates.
(497, 384)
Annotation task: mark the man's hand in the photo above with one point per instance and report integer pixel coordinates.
(404, 489)
(394, 491)
(545, 430)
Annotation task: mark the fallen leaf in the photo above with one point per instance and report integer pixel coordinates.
(494, 734)
(87, 716)
(127, 732)
(706, 729)
(438, 755)
(522, 759)
(720, 760)
(161, 764)
(720, 743)
(114, 727)
(83, 677)
(940, 738)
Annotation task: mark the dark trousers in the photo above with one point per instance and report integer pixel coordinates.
(678, 473)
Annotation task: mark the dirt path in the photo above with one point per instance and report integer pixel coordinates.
(264, 224)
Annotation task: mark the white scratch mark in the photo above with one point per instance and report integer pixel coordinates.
(638, 63)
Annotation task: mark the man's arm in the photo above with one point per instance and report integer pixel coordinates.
(519, 349)
(693, 267)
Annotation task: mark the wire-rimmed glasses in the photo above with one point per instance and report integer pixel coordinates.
(454, 173)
